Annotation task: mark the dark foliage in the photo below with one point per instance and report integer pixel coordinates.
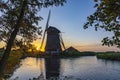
(106, 16)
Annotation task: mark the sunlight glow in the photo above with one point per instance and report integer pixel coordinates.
(2, 44)
(37, 44)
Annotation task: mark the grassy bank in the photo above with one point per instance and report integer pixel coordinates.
(1, 52)
(109, 56)
(77, 54)
(13, 60)
(62, 55)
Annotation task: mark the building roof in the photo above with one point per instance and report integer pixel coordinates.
(52, 29)
(71, 50)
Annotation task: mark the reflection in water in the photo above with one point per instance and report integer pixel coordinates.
(52, 66)
(84, 68)
(30, 68)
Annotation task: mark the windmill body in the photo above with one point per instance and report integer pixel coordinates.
(54, 39)
(53, 45)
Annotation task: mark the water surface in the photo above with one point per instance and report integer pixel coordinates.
(83, 68)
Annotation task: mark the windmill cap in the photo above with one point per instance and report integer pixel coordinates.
(52, 29)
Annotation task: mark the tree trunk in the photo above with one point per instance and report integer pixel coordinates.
(6, 54)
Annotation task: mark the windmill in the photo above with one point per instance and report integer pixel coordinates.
(54, 41)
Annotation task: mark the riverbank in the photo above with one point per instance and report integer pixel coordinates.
(13, 63)
(76, 54)
(101, 55)
(109, 56)
(61, 55)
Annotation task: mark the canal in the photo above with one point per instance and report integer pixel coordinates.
(82, 68)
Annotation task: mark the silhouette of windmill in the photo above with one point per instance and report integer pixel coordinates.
(54, 41)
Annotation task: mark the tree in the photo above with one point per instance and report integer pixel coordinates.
(20, 18)
(106, 16)
(23, 45)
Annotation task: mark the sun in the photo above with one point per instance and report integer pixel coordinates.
(42, 50)
(38, 48)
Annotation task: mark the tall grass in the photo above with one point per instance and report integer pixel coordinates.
(77, 54)
(110, 56)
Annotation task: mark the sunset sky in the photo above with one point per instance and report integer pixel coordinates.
(69, 19)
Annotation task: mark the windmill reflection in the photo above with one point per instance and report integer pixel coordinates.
(53, 48)
(50, 70)
(52, 66)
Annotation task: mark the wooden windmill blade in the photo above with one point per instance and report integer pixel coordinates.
(47, 25)
(62, 42)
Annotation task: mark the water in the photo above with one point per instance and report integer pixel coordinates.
(83, 68)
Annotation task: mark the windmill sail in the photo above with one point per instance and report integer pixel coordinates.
(47, 25)
(62, 42)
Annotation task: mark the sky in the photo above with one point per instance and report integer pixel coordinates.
(69, 19)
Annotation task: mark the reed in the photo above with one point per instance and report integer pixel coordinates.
(77, 54)
(109, 56)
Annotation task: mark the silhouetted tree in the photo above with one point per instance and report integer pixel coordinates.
(106, 16)
(20, 17)
(23, 45)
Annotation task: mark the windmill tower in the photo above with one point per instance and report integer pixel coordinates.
(54, 41)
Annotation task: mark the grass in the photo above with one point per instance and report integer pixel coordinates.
(1, 52)
(109, 56)
(71, 54)
(13, 60)
(76, 54)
